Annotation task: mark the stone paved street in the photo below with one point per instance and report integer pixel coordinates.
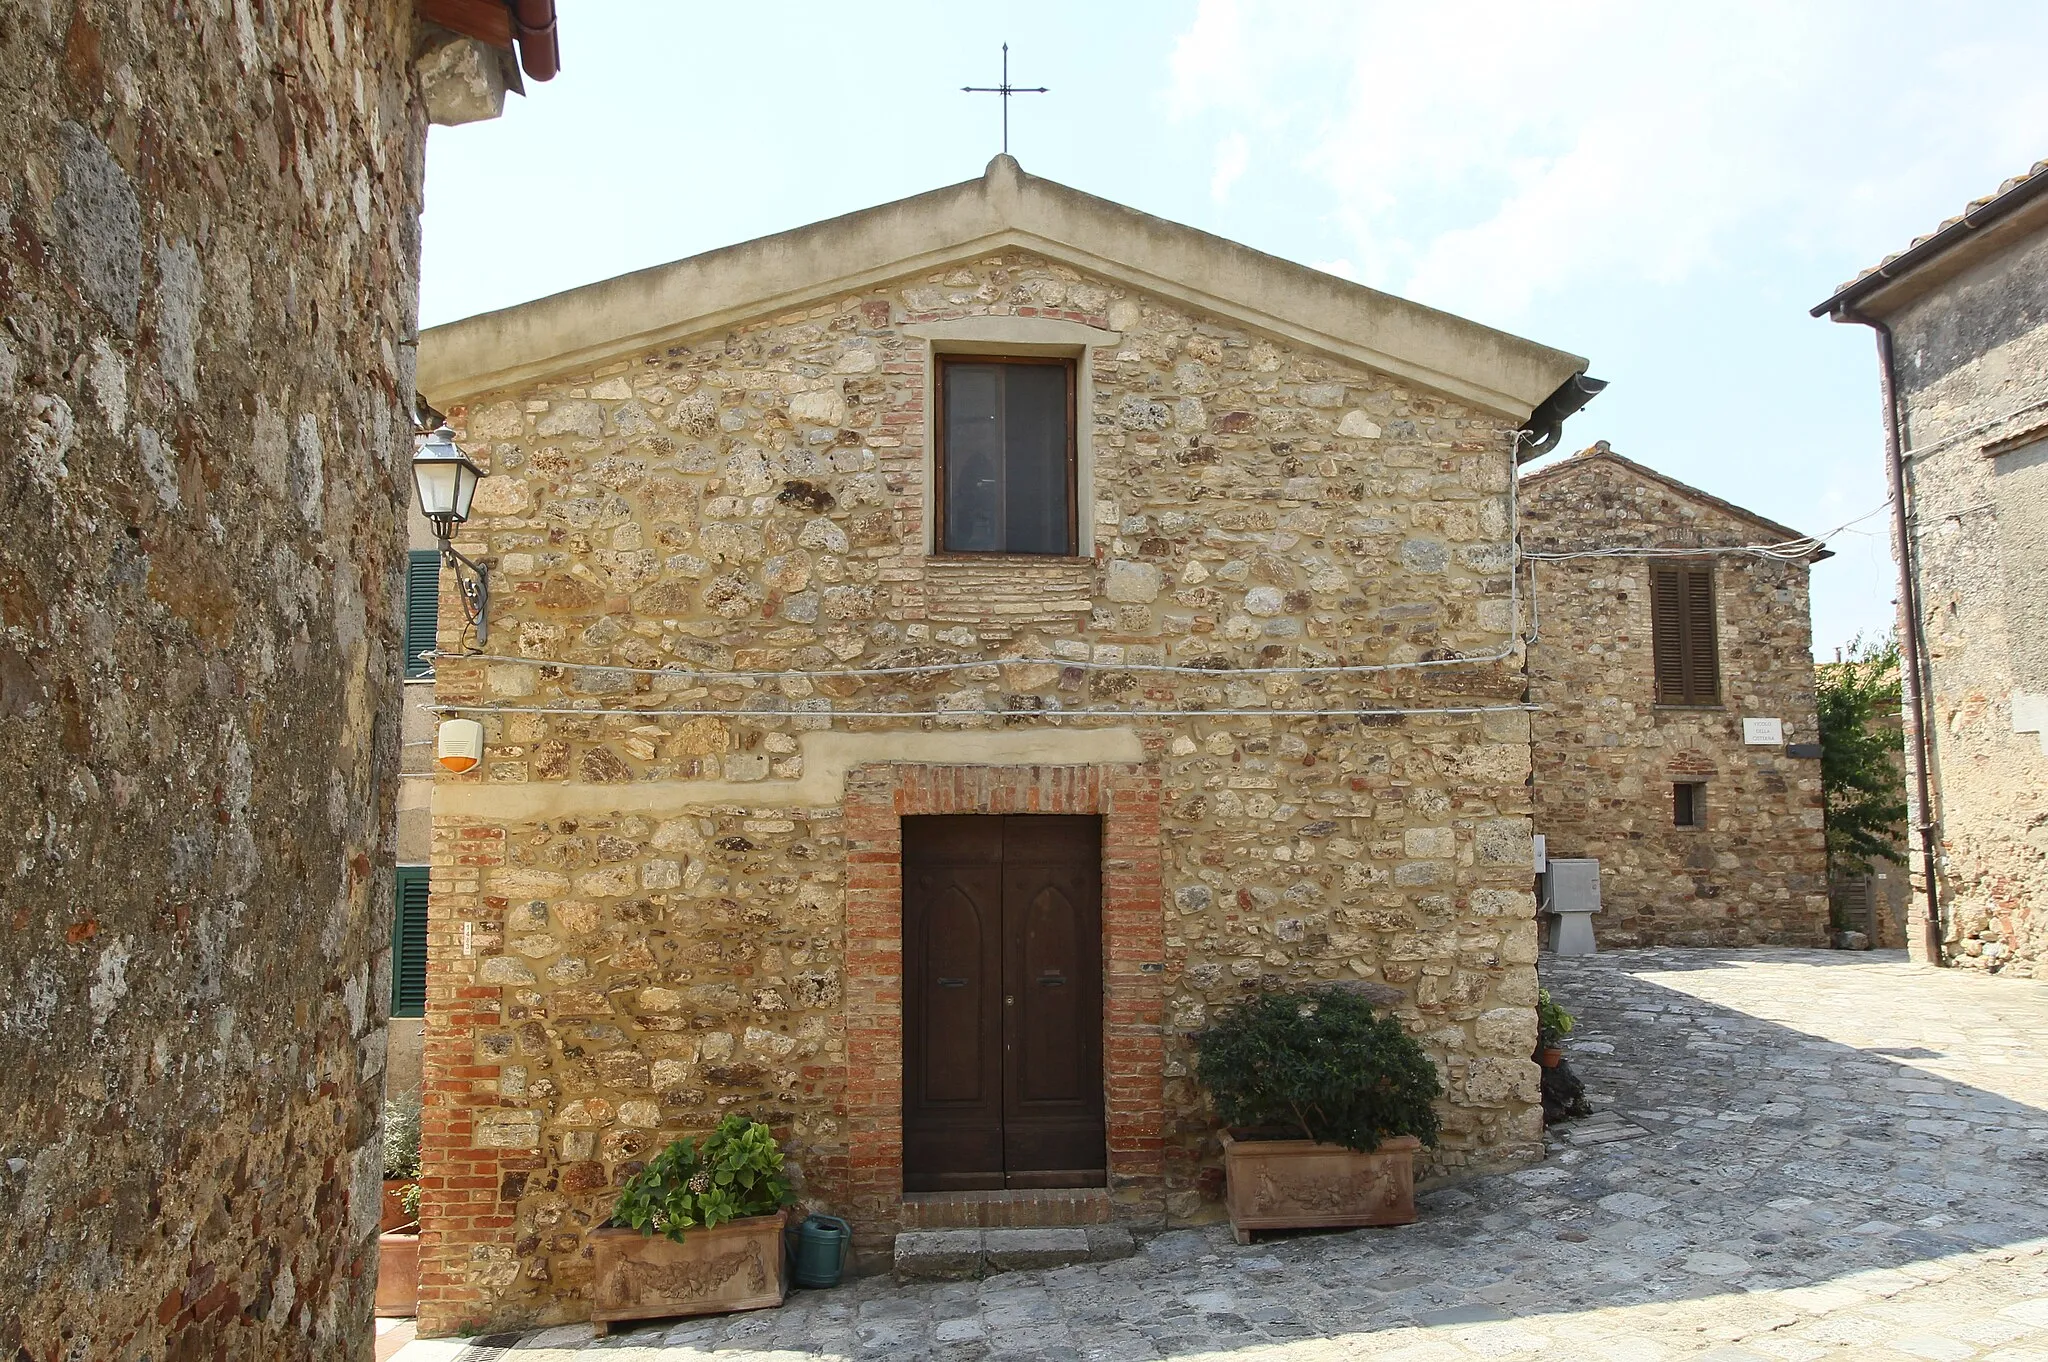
(1797, 1154)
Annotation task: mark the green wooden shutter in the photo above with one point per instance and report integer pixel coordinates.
(409, 944)
(422, 610)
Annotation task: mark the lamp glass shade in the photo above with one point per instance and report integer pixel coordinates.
(445, 477)
(466, 475)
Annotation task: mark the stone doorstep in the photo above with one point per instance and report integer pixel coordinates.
(964, 1255)
(1041, 1208)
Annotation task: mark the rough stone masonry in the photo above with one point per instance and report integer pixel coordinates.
(1607, 754)
(642, 920)
(208, 252)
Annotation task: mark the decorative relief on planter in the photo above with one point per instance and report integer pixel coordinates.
(737, 1266)
(1286, 1184)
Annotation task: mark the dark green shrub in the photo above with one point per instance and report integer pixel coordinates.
(735, 1173)
(1319, 1063)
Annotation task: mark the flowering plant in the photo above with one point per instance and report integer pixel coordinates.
(736, 1172)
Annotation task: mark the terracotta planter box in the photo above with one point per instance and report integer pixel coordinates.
(398, 1276)
(737, 1266)
(1300, 1184)
(392, 1216)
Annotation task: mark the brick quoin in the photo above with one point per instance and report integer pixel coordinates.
(1127, 798)
(468, 1193)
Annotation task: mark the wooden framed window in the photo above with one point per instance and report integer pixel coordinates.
(1006, 463)
(409, 943)
(1689, 804)
(422, 610)
(1682, 634)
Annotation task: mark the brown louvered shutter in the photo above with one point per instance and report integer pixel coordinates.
(1682, 634)
(1667, 625)
(1702, 659)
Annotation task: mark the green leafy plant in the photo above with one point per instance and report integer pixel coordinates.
(402, 1136)
(1862, 786)
(1318, 1062)
(735, 1173)
(1553, 1023)
(409, 1200)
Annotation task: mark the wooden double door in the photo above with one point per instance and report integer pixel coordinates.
(1002, 1002)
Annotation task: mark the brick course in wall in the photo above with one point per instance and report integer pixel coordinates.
(1607, 754)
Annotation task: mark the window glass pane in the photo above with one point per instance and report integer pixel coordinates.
(973, 452)
(1035, 463)
(1005, 458)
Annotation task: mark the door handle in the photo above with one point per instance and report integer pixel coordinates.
(952, 983)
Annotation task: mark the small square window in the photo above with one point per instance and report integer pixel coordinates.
(1689, 804)
(1006, 456)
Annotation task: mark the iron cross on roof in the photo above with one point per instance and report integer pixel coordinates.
(1005, 90)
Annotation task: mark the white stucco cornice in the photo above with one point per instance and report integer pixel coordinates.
(1004, 209)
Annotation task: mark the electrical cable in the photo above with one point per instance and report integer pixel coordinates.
(593, 713)
(1789, 550)
(1501, 654)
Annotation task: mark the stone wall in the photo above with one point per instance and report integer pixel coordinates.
(208, 248)
(1970, 359)
(643, 920)
(1607, 755)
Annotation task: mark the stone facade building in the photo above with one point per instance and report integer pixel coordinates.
(208, 263)
(1962, 317)
(1648, 753)
(769, 646)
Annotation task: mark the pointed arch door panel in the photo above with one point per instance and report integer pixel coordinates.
(1002, 928)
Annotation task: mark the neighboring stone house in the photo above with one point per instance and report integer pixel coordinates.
(1675, 732)
(876, 600)
(1963, 322)
(208, 272)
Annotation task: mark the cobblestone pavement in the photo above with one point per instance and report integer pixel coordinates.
(1797, 1154)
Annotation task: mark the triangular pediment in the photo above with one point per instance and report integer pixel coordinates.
(1598, 459)
(1004, 209)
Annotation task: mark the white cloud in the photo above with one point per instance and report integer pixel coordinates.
(1481, 156)
(1233, 157)
(1204, 74)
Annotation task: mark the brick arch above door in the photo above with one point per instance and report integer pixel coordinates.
(1127, 798)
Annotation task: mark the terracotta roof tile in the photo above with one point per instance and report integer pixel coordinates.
(2038, 168)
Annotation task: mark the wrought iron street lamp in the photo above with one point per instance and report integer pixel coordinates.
(446, 479)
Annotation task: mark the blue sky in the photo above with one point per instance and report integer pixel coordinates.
(1664, 189)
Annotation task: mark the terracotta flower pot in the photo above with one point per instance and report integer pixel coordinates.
(391, 1215)
(1301, 1184)
(737, 1266)
(398, 1276)
(1550, 1056)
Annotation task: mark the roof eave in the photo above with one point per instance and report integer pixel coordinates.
(1852, 299)
(1585, 459)
(1005, 208)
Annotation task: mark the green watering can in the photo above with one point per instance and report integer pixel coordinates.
(821, 1244)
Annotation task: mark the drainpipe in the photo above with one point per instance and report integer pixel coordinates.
(539, 50)
(1911, 674)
